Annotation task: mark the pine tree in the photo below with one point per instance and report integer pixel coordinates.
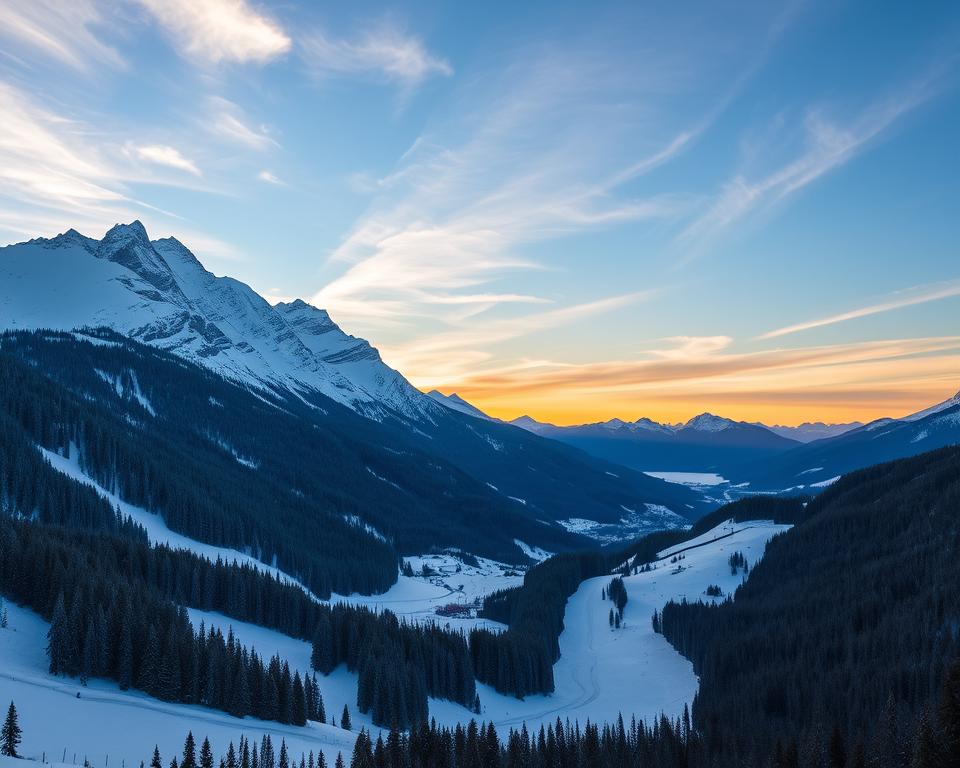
(362, 752)
(11, 733)
(284, 758)
(149, 665)
(89, 655)
(206, 754)
(125, 656)
(58, 640)
(155, 762)
(339, 763)
(838, 750)
(299, 708)
(189, 752)
(345, 719)
(950, 715)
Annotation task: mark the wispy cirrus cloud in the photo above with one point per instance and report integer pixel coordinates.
(220, 31)
(462, 349)
(161, 154)
(269, 178)
(902, 299)
(227, 120)
(56, 172)
(827, 145)
(63, 31)
(382, 51)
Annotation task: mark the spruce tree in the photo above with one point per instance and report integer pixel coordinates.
(125, 656)
(362, 752)
(155, 762)
(950, 714)
(89, 654)
(345, 719)
(206, 754)
(58, 640)
(189, 752)
(10, 736)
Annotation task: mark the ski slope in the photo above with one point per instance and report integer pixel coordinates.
(156, 528)
(107, 724)
(604, 672)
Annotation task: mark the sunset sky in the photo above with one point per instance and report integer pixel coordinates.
(571, 210)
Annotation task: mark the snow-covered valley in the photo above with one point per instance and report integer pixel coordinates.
(602, 672)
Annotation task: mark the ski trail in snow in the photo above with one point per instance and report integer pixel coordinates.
(588, 696)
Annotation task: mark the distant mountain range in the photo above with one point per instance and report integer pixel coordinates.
(157, 293)
(752, 457)
(706, 443)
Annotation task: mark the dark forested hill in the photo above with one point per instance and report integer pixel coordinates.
(847, 626)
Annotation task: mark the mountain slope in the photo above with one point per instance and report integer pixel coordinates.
(819, 462)
(865, 592)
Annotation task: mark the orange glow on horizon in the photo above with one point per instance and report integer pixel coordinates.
(572, 411)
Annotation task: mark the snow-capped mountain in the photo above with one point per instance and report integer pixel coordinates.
(707, 422)
(157, 292)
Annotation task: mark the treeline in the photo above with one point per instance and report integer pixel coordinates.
(520, 660)
(847, 626)
(105, 625)
(399, 664)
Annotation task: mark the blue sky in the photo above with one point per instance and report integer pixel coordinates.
(577, 211)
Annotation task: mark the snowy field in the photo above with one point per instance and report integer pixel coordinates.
(107, 724)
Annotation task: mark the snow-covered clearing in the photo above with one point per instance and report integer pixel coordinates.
(124, 725)
(602, 672)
